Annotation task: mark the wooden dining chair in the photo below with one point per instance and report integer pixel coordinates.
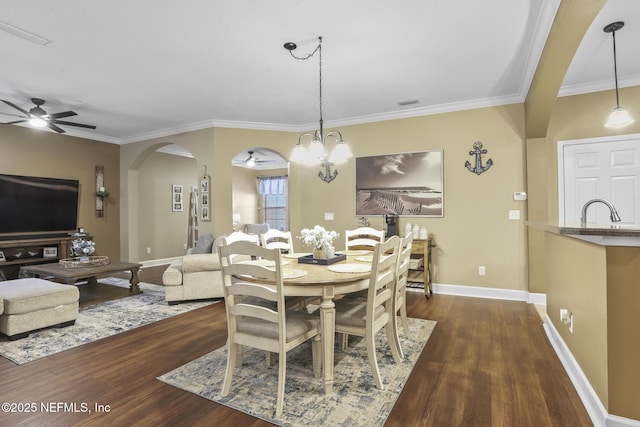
(365, 317)
(262, 326)
(400, 288)
(274, 238)
(362, 238)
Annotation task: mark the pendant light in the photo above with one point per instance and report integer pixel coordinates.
(619, 117)
(317, 153)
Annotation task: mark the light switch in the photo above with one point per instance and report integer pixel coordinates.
(514, 214)
(328, 216)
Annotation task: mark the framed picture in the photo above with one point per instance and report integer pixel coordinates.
(2, 258)
(51, 252)
(404, 184)
(177, 198)
(205, 188)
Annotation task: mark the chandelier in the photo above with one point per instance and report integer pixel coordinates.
(619, 117)
(317, 154)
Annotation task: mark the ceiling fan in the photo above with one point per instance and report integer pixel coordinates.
(251, 161)
(39, 118)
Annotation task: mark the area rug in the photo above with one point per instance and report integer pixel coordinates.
(96, 322)
(355, 402)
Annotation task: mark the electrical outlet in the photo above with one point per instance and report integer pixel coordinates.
(481, 270)
(514, 214)
(148, 250)
(185, 246)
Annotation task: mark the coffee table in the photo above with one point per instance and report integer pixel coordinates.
(70, 275)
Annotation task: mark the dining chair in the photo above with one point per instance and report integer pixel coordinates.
(365, 317)
(362, 238)
(265, 327)
(400, 288)
(274, 238)
(238, 236)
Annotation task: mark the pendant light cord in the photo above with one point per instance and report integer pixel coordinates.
(615, 67)
(304, 58)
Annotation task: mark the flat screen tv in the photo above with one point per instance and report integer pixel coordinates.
(34, 205)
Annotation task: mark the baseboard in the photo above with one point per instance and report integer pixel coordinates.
(590, 399)
(481, 292)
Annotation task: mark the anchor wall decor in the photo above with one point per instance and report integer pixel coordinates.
(327, 176)
(478, 152)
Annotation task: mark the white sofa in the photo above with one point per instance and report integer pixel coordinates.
(197, 276)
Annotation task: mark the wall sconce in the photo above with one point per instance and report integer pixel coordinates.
(102, 193)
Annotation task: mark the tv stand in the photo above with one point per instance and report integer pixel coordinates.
(33, 250)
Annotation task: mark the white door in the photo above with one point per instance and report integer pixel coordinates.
(601, 168)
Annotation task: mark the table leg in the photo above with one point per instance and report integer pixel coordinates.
(327, 323)
(134, 289)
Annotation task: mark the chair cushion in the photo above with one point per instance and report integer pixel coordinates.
(204, 245)
(298, 323)
(353, 312)
(31, 294)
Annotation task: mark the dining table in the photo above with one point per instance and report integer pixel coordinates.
(327, 282)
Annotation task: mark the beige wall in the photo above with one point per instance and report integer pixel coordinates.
(475, 229)
(577, 281)
(244, 196)
(590, 289)
(159, 228)
(40, 153)
(623, 331)
(132, 157)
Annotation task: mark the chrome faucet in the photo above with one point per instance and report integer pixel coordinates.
(614, 214)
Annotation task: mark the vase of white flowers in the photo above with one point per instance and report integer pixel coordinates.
(321, 240)
(82, 248)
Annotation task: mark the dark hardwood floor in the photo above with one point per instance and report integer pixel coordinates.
(488, 363)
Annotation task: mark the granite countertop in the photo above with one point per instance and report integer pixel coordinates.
(602, 234)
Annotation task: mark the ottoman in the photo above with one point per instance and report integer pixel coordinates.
(30, 304)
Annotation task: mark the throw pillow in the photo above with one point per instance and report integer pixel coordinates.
(204, 244)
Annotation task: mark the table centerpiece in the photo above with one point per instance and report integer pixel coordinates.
(322, 241)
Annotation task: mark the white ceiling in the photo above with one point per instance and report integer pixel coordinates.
(149, 68)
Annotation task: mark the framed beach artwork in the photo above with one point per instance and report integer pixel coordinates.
(404, 184)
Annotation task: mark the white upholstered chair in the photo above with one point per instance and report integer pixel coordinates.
(262, 326)
(365, 317)
(362, 238)
(276, 239)
(400, 288)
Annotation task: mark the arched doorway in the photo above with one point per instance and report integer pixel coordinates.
(250, 203)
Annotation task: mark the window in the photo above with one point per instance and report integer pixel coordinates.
(273, 190)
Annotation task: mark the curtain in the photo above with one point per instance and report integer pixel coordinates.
(273, 185)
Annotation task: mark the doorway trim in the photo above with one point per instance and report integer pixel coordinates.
(560, 166)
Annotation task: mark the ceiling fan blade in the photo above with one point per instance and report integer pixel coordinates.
(81, 125)
(16, 107)
(13, 115)
(63, 114)
(54, 127)
(13, 123)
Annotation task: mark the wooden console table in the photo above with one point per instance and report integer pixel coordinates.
(32, 251)
(72, 275)
(422, 248)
